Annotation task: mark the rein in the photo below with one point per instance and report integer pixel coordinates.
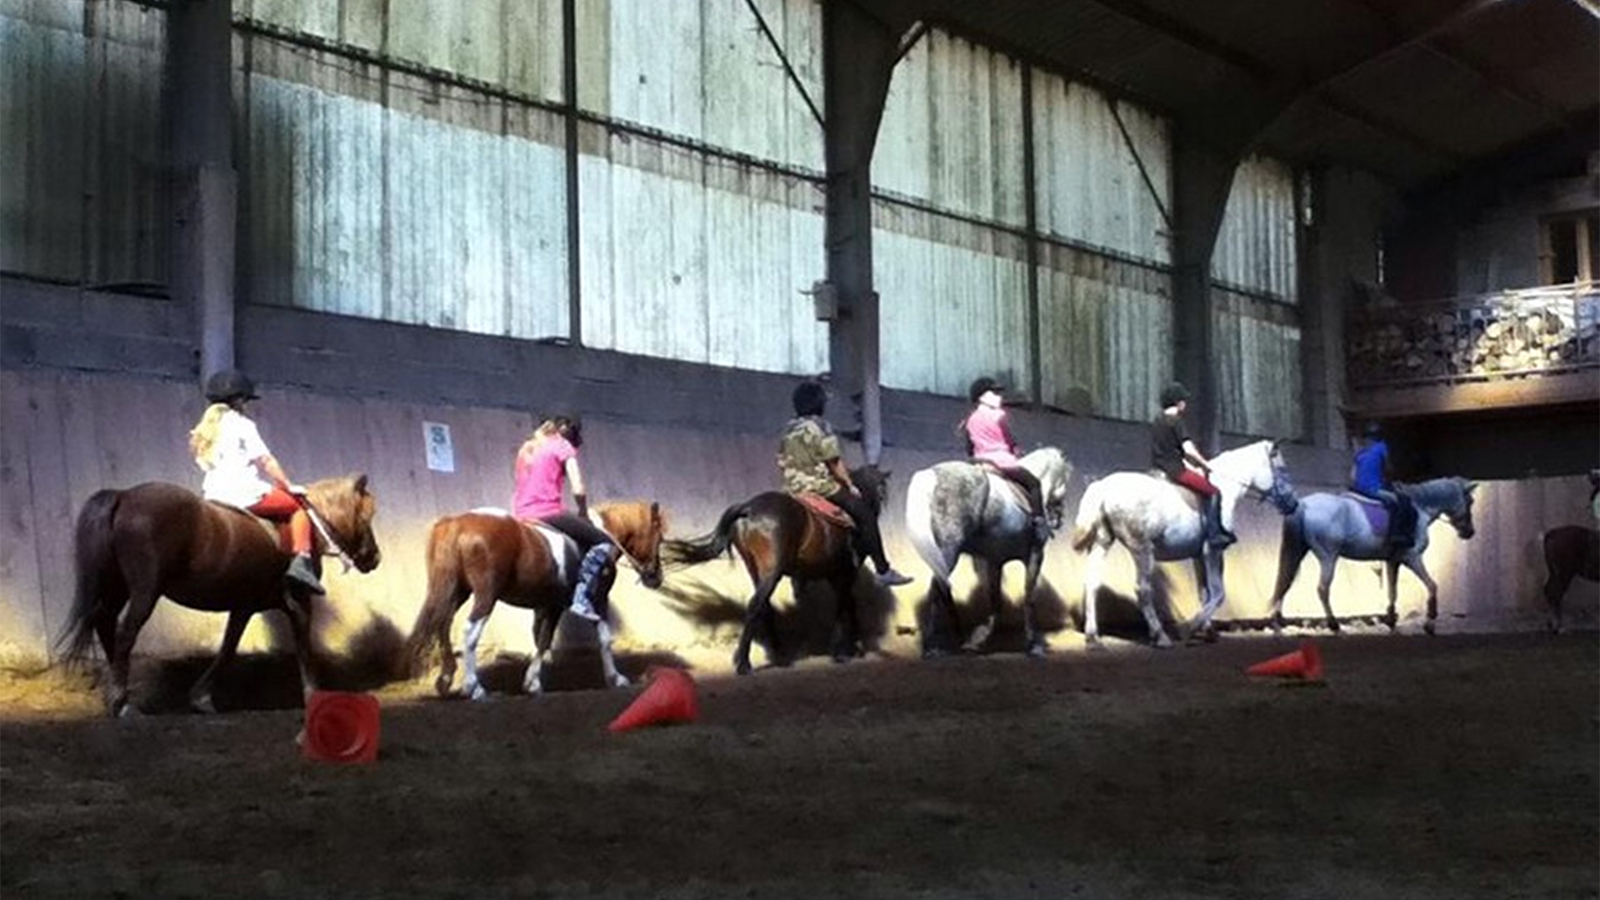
(318, 523)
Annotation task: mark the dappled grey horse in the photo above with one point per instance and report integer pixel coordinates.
(1155, 520)
(1331, 526)
(963, 507)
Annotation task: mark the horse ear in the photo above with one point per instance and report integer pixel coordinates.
(1470, 486)
(655, 511)
(361, 483)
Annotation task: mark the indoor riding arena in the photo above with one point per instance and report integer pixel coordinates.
(444, 447)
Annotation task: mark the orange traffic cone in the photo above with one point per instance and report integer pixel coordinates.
(341, 728)
(667, 700)
(1305, 664)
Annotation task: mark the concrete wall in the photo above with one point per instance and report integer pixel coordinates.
(344, 395)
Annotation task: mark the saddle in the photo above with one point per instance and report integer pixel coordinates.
(1377, 514)
(1192, 499)
(826, 510)
(1018, 492)
(279, 531)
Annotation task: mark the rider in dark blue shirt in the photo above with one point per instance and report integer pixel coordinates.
(1369, 477)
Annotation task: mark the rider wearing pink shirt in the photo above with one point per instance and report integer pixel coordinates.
(989, 441)
(547, 461)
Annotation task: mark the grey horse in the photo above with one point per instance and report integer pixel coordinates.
(1152, 517)
(962, 507)
(1331, 526)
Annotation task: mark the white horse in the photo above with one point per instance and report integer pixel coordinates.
(1154, 519)
(1331, 526)
(963, 507)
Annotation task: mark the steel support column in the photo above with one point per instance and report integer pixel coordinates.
(859, 53)
(199, 104)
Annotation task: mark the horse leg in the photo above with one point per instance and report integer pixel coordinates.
(1414, 563)
(1092, 571)
(989, 588)
(758, 613)
(1037, 646)
(477, 620)
(1555, 588)
(299, 611)
(602, 630)
(544, 628)
(1208, 575)
(1144, 563)
(846, 636)
(1391, 583)
(142, 602)
(200, 694)
(1327, 562)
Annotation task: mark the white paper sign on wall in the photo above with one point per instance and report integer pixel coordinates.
(436, 445)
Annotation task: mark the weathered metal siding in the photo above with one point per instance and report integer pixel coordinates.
(954, 302)
(1257, 338)
(447, 208)
(952, 130)
(510, 44)
(84, 198)
(1088, 179)
(698, 259)
(1257, 353)
(703, 70)
(1255, 246)
(1105, 330)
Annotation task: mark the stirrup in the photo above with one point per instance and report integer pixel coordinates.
(301, 574)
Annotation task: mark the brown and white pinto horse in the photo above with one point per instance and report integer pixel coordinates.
(488, 555)
(777, 535)
(160, 540)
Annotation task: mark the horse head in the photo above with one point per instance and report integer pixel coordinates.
(1459, 511)
(1054, 471)
(873, 484)
(1280, 492)
(638, 528)
(347, 508)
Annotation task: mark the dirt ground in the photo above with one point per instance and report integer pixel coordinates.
(1454, 767)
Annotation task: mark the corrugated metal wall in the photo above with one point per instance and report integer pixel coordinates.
(955, 292)
(84, 199)
(1254, 270)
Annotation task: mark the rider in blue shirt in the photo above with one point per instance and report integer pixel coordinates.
(1369, 477)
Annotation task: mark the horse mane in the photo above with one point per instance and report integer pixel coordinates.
(1434, 490)
(635, 517)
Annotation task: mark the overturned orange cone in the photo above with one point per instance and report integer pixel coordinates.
(668, 699)
(341, 727)
(1305, 664)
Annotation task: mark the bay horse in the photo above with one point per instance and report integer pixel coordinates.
(778, 536)
(1570, 551)
(156, 540)
(1330, 526)
(1159, 520)
(491, 556)
(964, 507)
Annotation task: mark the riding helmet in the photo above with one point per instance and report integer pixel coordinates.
(229, 385)
(1173, 394)
(571, 428)
(1373, 431)
(984, 385)
(810, 399)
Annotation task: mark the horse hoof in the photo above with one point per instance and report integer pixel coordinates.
(742, 668)
(620, 680)
(1428, 627)
(1038, 650)
(478, 693)
(1094, 644)
(935, 653)
(203, 705)
(1162, 643)
(840, 659)
(441, 686)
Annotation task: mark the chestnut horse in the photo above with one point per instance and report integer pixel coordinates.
(777, 535)
(160, 540)
(490, 556)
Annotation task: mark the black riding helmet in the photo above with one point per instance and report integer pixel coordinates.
(571, 428)
(230, 385)
(1373, 431)
(1173, 394)
(810, 399)
(984, 385)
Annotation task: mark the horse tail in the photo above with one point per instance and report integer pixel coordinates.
(1091, 517)
(1292, 548)
(97, 575)
(919, 522)
(708, 546)
(444, 577)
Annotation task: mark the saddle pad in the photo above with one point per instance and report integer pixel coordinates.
(558, 543)
(278, 532)
(827, 509)
(1377, 515)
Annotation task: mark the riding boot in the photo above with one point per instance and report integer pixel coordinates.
(589, 574)
(302, 574)
(1216, 535)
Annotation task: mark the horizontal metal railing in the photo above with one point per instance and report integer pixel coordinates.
(1507, 334)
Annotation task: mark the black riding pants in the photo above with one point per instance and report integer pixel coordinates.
(868, 539)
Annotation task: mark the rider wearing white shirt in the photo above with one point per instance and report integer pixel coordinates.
(242, 472)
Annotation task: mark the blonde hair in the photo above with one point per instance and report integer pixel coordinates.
(203, 437)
